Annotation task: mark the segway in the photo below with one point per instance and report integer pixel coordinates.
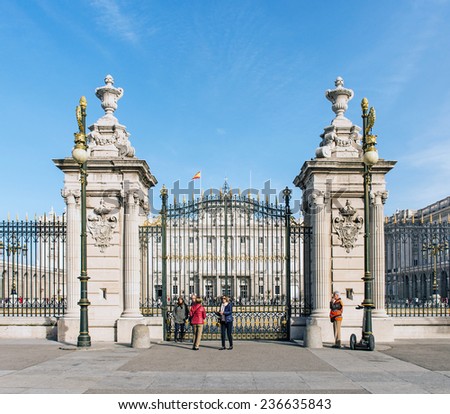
(367, 342)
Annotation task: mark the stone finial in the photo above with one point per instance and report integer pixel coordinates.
(341, 139)
(339, 97)
(108, 138)
(109, 95)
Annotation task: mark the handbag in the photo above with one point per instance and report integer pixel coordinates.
(335, 314)
(219, 318)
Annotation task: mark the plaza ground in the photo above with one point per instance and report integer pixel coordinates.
(43, 366)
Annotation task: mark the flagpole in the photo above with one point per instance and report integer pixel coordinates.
(196, 177)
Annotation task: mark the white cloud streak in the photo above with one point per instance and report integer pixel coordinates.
(116, 19)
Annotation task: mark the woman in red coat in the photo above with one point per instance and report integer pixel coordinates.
(197, 316)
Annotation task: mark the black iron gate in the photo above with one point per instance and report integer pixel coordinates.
(417, 267)
(32, 279)
(228, 244)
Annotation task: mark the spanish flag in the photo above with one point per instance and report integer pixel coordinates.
(196, 176)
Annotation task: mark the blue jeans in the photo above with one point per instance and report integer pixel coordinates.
(226, 327)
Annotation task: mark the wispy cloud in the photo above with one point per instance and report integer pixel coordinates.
(423, 27)
(118, 20)
(221, 131)
(434, 157)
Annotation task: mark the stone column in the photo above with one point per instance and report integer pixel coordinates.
(331, 180)
(69, 324)
(73, 249)
(131, 257)
(377, 254)
(321, 254)
(116, 204)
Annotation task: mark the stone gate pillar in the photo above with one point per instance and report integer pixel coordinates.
(377, 254)
(333, 205)
(73, 246)
(321, 259)
(117, 204)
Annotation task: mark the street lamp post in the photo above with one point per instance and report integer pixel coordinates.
(370, 158)
(13, 249)
(434, 247)
(166, 320)
(287, 253)
(80, 155)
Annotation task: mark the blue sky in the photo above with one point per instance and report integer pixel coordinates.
(231, 88)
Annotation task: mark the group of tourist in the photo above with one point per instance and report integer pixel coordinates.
(196, 315)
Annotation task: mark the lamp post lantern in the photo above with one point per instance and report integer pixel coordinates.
(370, 158)
(434, 247)
(13, 249)
(80, 155)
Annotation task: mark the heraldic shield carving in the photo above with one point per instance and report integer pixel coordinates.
(347, 226)
(101, 226)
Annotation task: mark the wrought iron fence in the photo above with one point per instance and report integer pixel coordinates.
(228, 245)
(417, 268)
(32, 280)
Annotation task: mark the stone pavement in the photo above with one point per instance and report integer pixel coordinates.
(40, 366)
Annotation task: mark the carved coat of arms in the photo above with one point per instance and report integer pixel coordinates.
(347, 226)
(101, 226)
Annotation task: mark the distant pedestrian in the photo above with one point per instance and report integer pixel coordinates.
(226, 322)
(336, 309)
(180, 316)
(197, 316)
(193, 298)
(193, 301)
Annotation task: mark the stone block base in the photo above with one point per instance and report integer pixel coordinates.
(155, 326)
(383, 328)
(421, 327)
(28, 328)
(101, 331)
(125, 328)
